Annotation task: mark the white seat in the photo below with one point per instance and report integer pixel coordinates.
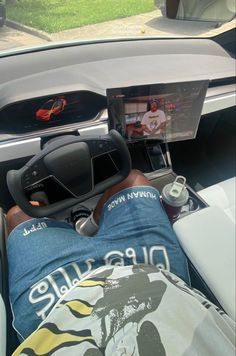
(208, 239)
(221, 195)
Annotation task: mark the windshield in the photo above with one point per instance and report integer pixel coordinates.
(31, 23)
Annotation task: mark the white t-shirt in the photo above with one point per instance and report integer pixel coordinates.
(153, 119)
(132, 310)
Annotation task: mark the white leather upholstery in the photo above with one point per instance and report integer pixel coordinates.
(208, 239)
(222, 195)
(2, 328)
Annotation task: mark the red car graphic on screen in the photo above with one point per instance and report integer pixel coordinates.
(51, 108)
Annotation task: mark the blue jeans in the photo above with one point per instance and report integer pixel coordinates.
(47, 257)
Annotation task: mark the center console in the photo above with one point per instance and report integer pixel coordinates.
(160, 173)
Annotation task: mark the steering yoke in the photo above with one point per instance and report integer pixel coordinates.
(69, 161)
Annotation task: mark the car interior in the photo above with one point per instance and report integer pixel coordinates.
(61, 134)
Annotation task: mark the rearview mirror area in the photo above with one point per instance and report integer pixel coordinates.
(218, 11)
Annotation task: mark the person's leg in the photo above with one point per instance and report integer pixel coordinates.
(89, 226)
(42, 252)
(135, 178)
(15, 216)
(134, 228)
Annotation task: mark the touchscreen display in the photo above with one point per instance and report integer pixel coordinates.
(168, 112)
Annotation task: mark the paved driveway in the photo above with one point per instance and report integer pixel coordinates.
(147, 24)
(11, 38)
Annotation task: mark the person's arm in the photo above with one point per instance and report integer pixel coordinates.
(162, 125)
(146, 129)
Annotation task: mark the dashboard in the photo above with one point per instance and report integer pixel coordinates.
(58, 90)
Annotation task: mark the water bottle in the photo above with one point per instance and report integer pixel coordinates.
(174, 196)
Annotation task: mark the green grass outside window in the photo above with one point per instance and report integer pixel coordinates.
(54, 15)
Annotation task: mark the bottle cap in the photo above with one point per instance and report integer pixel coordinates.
(176, 193)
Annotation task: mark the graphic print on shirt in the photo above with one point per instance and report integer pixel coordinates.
(45, 293)
(153, 124)
(108, 320)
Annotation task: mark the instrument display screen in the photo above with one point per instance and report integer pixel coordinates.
(50, 112)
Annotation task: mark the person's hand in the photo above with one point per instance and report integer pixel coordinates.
(146, 129)
(153, 132)
(36, 203)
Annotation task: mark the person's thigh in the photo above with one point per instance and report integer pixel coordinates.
(42, 256)
(135, 178)
(134, 228)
